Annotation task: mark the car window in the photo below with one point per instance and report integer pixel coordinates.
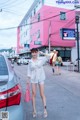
(3, 66)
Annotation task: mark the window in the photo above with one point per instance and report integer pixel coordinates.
(26, 32)
(3, 66)
(38, 17)
(36, 5)
(38, 34)
(34, 11)
(25, 22)
(65, 54)
(21, 28)
(30, 26)
(31, 38)
(31, 15)
(62, 16)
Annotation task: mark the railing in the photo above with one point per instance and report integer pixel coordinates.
(70, 67)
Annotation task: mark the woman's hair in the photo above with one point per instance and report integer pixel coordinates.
(34, 50)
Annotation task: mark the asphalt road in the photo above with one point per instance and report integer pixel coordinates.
(62, 93)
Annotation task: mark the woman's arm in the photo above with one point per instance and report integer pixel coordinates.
(45, 54)
(47, 57)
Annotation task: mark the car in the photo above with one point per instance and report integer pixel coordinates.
(25, 61)
(10, 91)
(19, 61)
(76, 62)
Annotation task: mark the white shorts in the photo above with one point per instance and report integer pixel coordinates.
(39, 82)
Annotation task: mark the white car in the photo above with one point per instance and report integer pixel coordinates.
(22, 61)
(25, 61)
(10, 92)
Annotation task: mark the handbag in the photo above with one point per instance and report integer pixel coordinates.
(51, 60)
(27, 94)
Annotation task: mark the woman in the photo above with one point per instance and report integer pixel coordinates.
(58, 63)
(36, 76)
(54, 59)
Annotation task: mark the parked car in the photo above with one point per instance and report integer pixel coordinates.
(22, 61)
(76, 62)
(10, 91)
(25, 61)
(19, 62)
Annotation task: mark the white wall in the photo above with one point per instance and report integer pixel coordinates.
(74, 54)
(25, 38)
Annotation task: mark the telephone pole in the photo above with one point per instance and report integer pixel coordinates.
(49, 42)
(77, 37)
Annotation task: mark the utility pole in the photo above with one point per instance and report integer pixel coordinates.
(77, 37)
(49, 42)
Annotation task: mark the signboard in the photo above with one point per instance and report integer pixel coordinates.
(68, 34)
(37, 42)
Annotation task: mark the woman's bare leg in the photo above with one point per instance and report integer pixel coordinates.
(34, 87)
(53, 67)
(41, 88)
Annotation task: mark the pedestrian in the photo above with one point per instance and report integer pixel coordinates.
(54, 60)
(36, 76)
(58, 64)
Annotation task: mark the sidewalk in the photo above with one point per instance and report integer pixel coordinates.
(63, 97)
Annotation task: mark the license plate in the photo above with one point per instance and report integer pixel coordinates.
(4, 115)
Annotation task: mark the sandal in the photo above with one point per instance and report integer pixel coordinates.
(34, 114)
(45, 114)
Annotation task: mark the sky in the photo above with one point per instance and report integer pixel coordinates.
(11, 14)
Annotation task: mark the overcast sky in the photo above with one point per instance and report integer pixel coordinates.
(11, 14)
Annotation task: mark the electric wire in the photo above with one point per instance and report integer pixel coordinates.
(11, 12)
(44, 19)
(12, 3)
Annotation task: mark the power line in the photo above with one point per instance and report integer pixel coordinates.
(9, 4)
(10, 11)
(36, 21)
(18, 5)
(4, 2)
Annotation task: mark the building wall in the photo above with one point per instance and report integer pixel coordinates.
(50, 8)
(54, 29)
(23, 34)
(36, 27)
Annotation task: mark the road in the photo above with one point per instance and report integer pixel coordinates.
(62, 93)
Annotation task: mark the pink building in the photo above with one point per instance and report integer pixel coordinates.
(51, 28)
(52, 25)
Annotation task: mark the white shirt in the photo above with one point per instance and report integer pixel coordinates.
(35, 70)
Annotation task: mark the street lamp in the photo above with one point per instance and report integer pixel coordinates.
(77, 37)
